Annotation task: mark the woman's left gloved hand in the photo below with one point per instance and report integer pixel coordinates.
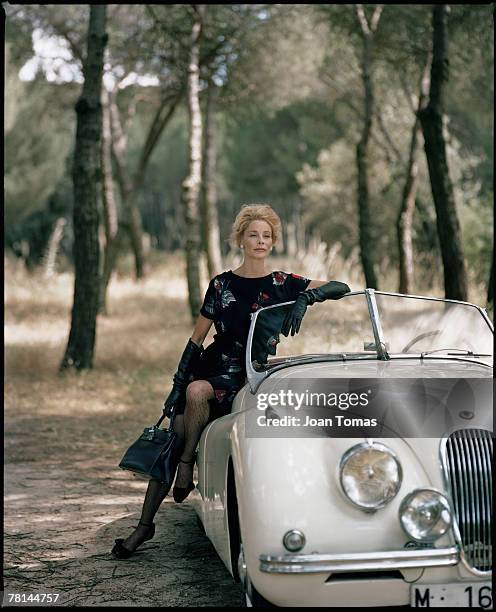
(333, 290)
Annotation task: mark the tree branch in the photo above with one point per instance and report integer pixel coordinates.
(368, 30)
(362, 19)
(156, 128)
(376, 16)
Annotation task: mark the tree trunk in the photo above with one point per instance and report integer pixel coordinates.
(431, 118)
(405, 217)
(53, 246)
(192, 183)
(126, 188)
(86, 175)
(110, 217)
(367, 246)
(210, 218)
(490, 287)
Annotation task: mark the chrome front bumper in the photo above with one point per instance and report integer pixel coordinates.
(397, 559)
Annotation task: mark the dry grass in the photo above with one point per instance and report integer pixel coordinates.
(144, 319)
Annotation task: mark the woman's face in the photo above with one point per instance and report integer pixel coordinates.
(257, 239)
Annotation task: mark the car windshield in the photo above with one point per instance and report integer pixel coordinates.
(331, 327)
(420, 325)
(407, 325)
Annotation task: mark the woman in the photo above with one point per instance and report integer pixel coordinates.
(204, 389)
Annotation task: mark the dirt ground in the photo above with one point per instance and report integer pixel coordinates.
(65, 499)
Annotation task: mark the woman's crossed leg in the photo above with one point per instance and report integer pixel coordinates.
(196, 415)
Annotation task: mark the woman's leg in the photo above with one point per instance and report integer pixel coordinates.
(155, 495)
(196, 417)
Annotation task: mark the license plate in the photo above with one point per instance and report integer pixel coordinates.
(460, 595)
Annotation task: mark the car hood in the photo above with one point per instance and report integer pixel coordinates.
(468, 405)
(417, 413)
(396, 367)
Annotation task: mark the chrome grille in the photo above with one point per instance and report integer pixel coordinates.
(467, 462)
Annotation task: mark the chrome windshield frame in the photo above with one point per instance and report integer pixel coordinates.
(380, 342)
(255, 378)
(483, 311)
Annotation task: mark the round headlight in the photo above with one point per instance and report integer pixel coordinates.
(425, 515)
(370, 475)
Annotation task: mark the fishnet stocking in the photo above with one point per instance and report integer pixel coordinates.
(195, 418)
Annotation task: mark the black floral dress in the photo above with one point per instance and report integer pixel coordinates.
(229, 301)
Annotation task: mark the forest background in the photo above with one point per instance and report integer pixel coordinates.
(311, 108)
(283, 101)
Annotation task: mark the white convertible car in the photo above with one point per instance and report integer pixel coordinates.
(400, 515)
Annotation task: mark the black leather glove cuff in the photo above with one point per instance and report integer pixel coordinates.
(188, 360)
(333, 290)
(175, 400)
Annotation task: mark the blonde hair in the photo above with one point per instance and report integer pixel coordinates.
(254, 212)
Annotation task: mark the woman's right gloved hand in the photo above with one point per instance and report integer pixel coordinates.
(333, 290)
(182, 376)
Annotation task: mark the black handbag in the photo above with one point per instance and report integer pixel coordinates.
(154, 454)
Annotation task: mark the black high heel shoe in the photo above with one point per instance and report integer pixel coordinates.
(119, 551)
(181, 493)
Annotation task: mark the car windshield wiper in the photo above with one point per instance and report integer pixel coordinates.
(292, 359)
(460, 352)
(297, 358)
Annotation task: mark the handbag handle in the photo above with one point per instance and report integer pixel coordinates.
(172, 417)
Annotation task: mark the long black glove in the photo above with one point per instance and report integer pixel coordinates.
(333, 290)
(182, 377)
